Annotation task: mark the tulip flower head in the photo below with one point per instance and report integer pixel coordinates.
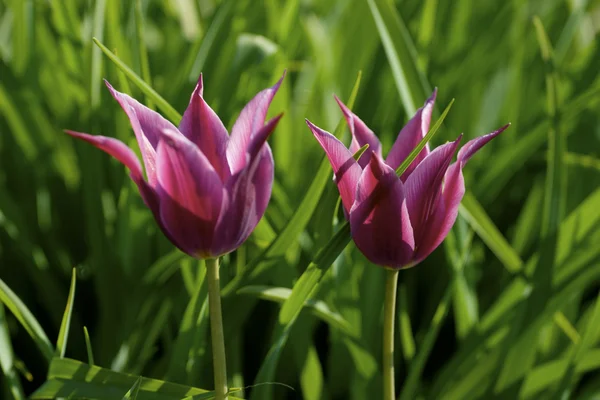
(397, 222)
(206, 189)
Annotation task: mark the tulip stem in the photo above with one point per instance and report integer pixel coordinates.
(216, 328)
(389, 318)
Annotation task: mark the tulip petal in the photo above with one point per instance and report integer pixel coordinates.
(410, 136)
(361, 135)
(379, 219)
(249, 192)
(250, 121)
(126, 156)
(453, 192)
(147, 126)
(115, 148)
(203, 127)
(424, 187)
(345, 168)
(190, 193)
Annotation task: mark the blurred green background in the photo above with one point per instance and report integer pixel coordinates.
(507, 307)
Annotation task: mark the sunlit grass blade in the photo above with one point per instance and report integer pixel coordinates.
(27, 320)
(132, 393)
(63, 334)
(162, 104)
(432, 131)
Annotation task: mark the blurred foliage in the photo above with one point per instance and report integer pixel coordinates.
(508, 307)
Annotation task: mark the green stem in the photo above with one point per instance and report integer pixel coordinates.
(389, 315)
(216, 328)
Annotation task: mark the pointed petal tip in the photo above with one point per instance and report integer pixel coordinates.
(345, 110)
(278, 84)
(108, 85)
(432, 97)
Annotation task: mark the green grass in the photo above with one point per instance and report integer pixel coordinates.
(507, 307)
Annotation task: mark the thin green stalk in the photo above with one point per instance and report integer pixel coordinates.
(216, 328)
(389, 314)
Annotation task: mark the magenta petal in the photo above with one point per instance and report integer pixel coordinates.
(347, 171)
(203, 127)
(410, 136)
(361, 135)
(190, 193)
(472, 146)
(424, 187)
(115, 148)
(250, 121)
(249, 192)
(453, 192)
(147, 126)
(379, 218)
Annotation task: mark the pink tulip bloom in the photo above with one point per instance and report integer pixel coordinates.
(398, 221)
(206, 189)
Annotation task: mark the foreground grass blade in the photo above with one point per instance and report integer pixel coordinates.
(27, 320)
(69, 377)
(150, 93)
(63, 334)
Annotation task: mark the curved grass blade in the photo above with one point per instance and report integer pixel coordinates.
(317, 307)
(151, 94)
(27, 320)
(63, 334)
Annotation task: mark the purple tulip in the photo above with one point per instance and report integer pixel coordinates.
(398, 221)
(206, 189)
